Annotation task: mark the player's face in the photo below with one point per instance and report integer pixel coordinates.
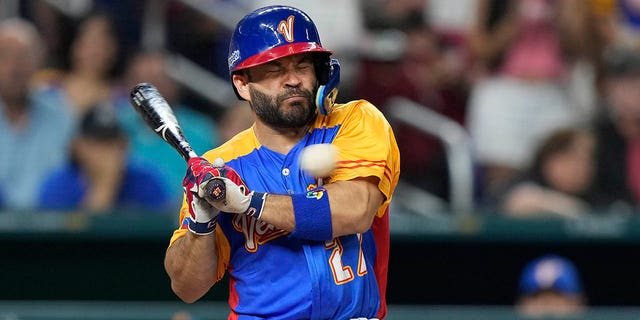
(282, 91)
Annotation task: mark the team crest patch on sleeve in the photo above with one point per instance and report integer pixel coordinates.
(317, 193)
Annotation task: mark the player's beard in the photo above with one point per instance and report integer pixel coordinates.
(269, 108)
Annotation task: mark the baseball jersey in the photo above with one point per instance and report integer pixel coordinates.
(274, 275)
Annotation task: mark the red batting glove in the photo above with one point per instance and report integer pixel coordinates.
(202, 216)
(238, 198)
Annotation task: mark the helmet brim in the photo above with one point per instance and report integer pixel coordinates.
(280, 52)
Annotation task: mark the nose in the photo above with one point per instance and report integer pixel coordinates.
(292, 78)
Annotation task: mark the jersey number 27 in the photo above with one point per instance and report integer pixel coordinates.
(344, 273)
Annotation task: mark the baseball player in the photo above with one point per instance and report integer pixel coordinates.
(293, 249)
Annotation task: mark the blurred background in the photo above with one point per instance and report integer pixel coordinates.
(518, 123)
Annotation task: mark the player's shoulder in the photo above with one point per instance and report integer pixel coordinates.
(241, 144)
(356, 110)
(360, 105)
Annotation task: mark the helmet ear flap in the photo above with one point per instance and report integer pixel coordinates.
(328, 92)
(322, 66)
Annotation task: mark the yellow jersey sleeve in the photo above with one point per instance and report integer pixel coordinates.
(366, 146)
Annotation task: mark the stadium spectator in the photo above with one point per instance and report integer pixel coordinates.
(536, 62)
(92, 68)
(452, 19)
(420, 72)
(35, 128)
(550, 287)
(560, 180)
(618, 128)
(55, 27)
(625, 23)
(99, 177)
(146, 147)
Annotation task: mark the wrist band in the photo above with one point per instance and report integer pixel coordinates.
(203, 228)
(256, 205)
(313, 215)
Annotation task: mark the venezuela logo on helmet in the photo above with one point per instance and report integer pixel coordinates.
(285, 27)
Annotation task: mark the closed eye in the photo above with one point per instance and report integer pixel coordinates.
(305, 63)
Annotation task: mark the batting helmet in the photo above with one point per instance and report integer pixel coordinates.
(274, 32)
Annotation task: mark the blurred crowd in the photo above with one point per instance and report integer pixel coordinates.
(547, 90)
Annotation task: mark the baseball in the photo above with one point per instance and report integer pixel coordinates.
(319, 160)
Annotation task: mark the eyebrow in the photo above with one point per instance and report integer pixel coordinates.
(273, 63)
(277, 63)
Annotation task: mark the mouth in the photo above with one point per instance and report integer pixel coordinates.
(293, 99)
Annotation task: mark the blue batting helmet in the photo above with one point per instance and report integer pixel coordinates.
(274, 32)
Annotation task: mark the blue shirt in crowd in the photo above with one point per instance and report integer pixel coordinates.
(146, 147)
(29, 153)
(141, 189)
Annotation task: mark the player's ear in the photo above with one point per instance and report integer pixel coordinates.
(241, 82)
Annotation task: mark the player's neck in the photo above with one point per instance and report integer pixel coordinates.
(278, 139)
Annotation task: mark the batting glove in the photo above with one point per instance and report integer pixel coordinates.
(203, 217)
(238, 198)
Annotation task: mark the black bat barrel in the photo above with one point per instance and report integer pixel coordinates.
(158, 115)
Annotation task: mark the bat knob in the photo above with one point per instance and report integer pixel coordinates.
(215, 190)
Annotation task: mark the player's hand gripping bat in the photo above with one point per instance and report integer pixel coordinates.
(157, 114)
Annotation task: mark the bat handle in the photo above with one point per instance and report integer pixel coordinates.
(215, 189)
(188, 153)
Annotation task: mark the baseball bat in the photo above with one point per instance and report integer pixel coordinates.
(158, 115)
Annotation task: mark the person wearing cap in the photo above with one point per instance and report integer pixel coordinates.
(550, 286)
(99, 176)
(294, 245)
(153, 66)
